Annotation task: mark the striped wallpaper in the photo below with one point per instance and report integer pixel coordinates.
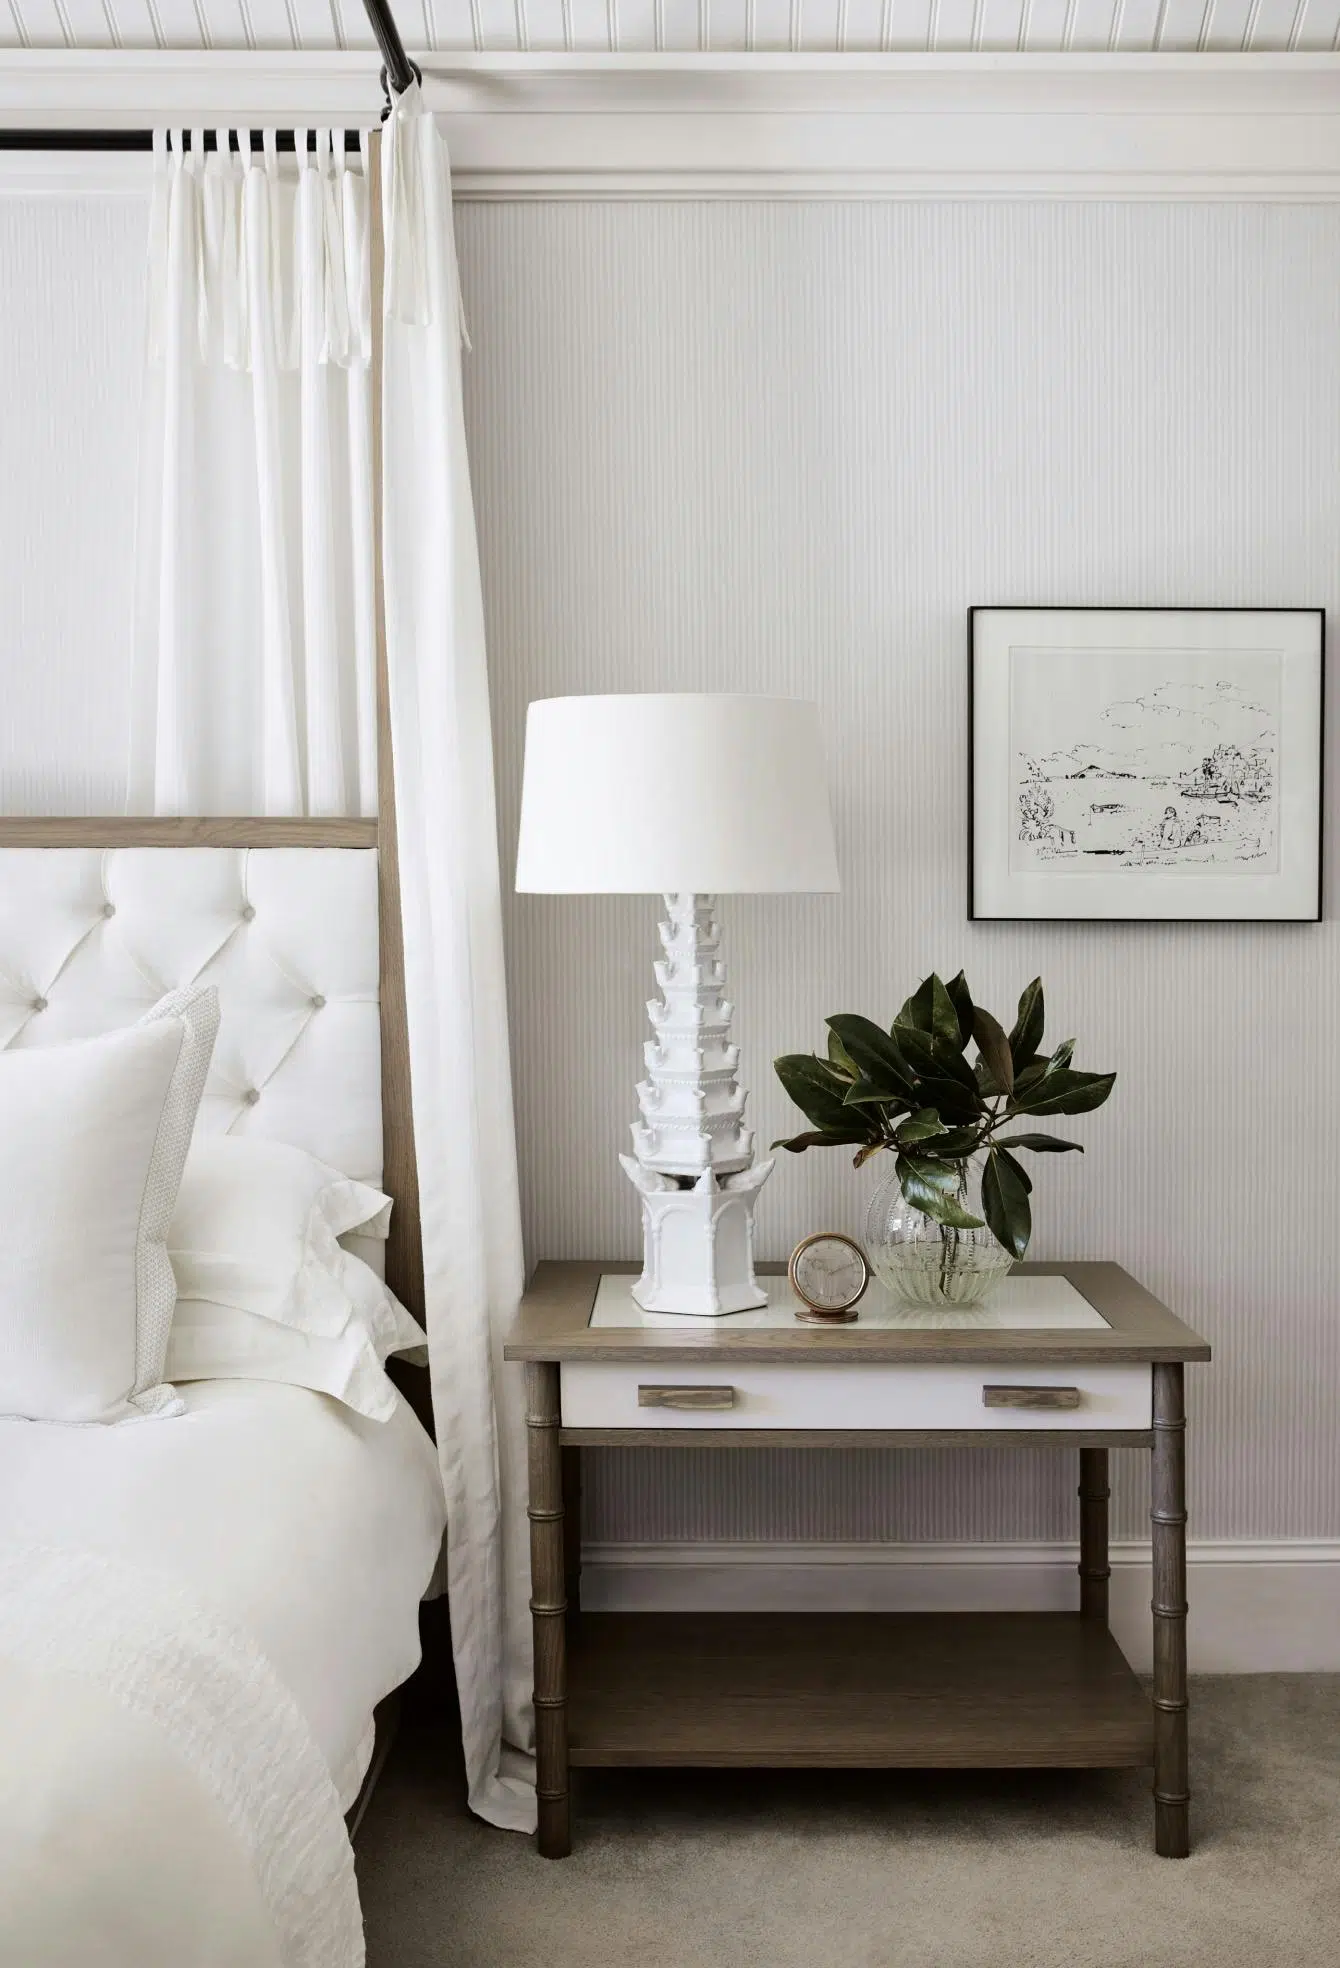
(782, 448)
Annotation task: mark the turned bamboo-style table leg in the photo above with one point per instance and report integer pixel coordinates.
(548, 1608)
(572, 1528)
(1172, 1838)
(1094, 1570)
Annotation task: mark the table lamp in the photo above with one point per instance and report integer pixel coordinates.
(687, 797)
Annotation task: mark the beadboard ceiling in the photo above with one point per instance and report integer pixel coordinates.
(724, 26)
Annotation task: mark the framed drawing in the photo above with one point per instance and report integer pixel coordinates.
(1145, 764)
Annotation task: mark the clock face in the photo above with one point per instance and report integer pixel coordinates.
(829, 1272)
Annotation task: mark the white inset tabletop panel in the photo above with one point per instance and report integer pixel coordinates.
(1018, 1305)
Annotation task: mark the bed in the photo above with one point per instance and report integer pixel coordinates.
(199, 1615)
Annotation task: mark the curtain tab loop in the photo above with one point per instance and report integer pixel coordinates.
(404, 216)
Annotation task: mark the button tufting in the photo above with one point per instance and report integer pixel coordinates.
(122, 926)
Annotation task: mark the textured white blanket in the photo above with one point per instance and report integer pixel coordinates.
(162, 1801)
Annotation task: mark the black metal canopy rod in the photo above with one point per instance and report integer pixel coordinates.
(398, 71)
(144, 140)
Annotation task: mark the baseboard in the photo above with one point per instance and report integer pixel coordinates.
(1255, 1607)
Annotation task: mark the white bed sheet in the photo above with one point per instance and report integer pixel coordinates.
(314, 1529)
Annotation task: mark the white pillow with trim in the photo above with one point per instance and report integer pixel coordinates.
(220, 1342)
(93, 1138)
(257, 1226)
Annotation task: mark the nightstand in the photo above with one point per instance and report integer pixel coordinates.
(1073, 1356)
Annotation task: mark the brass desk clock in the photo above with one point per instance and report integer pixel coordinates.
(828, 1274)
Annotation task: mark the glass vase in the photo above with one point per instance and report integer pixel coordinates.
(922, 1262)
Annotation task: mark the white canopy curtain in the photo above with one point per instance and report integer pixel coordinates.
(254, 638)
(474, 1271)
(254, 693)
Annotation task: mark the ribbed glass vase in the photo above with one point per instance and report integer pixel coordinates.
(922, 1262)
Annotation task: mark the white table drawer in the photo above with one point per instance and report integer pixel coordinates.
(602, 1394)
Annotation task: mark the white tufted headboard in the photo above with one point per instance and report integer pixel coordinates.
(90, 938)
(99, 918)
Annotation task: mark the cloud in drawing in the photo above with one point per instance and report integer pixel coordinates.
(1198, 715)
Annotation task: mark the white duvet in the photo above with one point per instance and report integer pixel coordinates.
(197, 1616)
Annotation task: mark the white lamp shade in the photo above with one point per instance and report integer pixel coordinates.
(710, 795)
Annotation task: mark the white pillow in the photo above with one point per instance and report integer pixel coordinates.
(93, 1136)
(256, 1227)
(220, 1342)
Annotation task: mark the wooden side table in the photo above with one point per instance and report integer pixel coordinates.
(895, 1690)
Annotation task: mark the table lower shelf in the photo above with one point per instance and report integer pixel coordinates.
(853, 1690)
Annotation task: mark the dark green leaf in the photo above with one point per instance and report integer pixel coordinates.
(921, 1126)
(944, 1176)
(1017, 1167)
(957, 1144)
(816, 1088)
(1041, 1144)
(961, 998)
(1062, 1056)
(932, 1060)
(865, 1093)
(840, 1059)
(917, 1013)
(941, 1205)
(1026, 1038)
(994, 1048)
(950, 1099)
(930, 1011)
(1005, 1201)
(1065, 1092)
(826, 1138)
(873, 1053)
(948, 1210)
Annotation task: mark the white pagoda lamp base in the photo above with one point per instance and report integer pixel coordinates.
(698, 1243)
(683, 795)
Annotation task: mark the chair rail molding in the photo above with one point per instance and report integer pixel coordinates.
(1259, 127)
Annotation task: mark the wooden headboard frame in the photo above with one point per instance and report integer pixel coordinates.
(404, 1258)
(404, 1253)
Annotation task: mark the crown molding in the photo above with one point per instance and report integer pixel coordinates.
(1253, 127)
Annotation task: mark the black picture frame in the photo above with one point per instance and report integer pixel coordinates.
(982, 610)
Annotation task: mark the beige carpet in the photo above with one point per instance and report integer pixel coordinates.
(834, 1870)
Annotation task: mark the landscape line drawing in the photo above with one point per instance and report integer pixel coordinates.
(1160, 761)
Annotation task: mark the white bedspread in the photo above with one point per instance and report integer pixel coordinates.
(314, 1530)
(197, 1617)
(190, 1767)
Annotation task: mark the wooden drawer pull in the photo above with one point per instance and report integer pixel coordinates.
(686, 1397)
(1031, 1397)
